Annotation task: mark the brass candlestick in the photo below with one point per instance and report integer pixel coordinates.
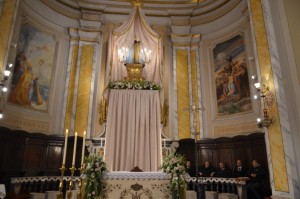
(69, 192)
(79, 194)
(61, 182)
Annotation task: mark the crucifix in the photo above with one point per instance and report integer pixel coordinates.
(194, 110)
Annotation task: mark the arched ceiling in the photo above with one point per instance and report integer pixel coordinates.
(201, 11)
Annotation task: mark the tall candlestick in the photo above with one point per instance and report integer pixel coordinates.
(83, 147)
(65, 146)
(164, 143)
(74, 150)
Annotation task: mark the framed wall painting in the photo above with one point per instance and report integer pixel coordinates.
(32, 75)
(231, 77)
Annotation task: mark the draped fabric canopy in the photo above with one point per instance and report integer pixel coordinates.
(135, 28)
(133, 136)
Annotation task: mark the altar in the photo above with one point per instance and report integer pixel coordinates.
(137, 185)
(117, 185)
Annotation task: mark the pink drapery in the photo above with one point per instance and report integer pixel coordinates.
(133, 131)
(135, 28)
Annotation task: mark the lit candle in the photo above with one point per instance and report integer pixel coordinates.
(65, 146)
(74, 150)
(83, 147)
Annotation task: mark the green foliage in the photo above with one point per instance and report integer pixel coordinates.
(93, 170)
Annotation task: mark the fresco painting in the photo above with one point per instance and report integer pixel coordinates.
(231, 77)
(33, 68)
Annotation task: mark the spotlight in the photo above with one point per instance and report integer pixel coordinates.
(255, 96)
(1, 115)
(10, 65)
(258, 119)
(4, 89)
(253, 77)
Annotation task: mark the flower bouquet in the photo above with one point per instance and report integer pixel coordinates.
(93, 170)
(134, 85)
(174, 165)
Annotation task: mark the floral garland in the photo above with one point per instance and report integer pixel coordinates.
(134, 85)
(174, 165)
(93, 170)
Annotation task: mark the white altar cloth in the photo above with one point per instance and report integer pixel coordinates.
(144, 184)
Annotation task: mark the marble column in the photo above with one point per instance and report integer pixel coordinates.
(280, 155)
(6, 22)
(80, 80)
(186, 86)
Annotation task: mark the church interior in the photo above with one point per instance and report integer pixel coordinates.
(135, 83)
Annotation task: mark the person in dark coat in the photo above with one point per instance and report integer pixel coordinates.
(189, 169)
(207, 170)
(239, 170)
(258, 180)
(223, 171)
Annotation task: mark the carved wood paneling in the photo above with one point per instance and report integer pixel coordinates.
(228, 150)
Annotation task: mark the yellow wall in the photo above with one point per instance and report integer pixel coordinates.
(69, 107)
(6, 20)
(182, 94)
(84, 87)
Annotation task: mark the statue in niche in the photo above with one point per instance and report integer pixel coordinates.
(137, 48)
(135, 70)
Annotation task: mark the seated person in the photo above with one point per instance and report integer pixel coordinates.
(239, 170)
(207, 170)
(258, 181)
(223, 171)
(189, 169)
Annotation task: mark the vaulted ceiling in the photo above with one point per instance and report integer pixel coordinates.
(199, 11)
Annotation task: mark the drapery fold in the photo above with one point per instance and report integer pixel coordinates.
(133, 130)
(135, 28)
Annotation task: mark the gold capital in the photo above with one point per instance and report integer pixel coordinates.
(138, 3)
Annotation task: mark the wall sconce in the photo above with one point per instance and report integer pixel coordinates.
(268, 98)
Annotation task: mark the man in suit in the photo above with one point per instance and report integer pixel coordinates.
(207, 170)
(258, 181)
(223, 171)
(240, 170)
(189, 169)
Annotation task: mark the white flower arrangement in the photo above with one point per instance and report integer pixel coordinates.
(94, 168)
(134, 85)
(174, 165)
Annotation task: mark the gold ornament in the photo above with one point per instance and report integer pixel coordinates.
(102, 110)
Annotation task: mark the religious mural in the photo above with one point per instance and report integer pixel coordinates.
(231, 77)
(33, 68)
